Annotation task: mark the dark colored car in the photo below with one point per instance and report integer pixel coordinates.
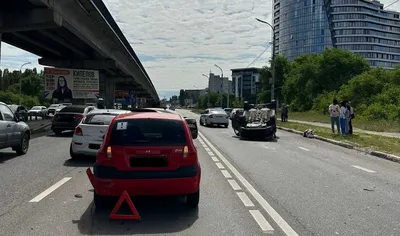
(20, 111)
(147, 154)
(191, 122)
(69, 117)
(14, 132)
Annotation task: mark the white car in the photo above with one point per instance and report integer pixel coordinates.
(88, 135)
(212, 117)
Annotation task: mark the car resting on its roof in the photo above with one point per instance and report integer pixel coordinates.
(255, 122)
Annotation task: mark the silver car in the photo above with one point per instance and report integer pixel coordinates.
(212, 117)
(14, 133)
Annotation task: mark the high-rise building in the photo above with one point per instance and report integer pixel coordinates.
(246, 83)
(216, 84)
(365, 28)
(300, 27)
(360, 26)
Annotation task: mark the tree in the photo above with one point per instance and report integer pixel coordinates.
(314, 74)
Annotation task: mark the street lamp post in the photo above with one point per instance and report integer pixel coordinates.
(20, 82)
(208, 91)
(222, 82)
(273, 59)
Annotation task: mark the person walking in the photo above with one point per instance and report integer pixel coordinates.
(334, 111)
(342, 118)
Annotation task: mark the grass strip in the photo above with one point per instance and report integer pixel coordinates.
(361, 140)
(358, 122)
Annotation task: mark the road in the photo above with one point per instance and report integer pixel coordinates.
(293, 186)
(36, 124)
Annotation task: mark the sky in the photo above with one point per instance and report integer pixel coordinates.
(178, 41)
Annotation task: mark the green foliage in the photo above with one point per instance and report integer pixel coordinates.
(312, 81)
(282, 68)
(31, 89)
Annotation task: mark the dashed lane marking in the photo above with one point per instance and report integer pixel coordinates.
(234, 184)
(214, 158)
(364, 169)
(289, 231)
(261, 221)
(245, 199)
(46, 192)
(305, 149)
(219, 165)
(226, 174)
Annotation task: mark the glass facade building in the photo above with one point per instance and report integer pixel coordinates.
(364, 27)
(301, 26)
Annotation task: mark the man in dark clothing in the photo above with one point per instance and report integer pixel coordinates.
(284, 113)
(100, 104)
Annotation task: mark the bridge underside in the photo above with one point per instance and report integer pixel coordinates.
(67, 40)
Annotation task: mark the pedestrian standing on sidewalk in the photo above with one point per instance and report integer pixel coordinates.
(334, 111)
(350, 108)
(342, 117)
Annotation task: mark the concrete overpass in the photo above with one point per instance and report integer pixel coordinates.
(78, 34)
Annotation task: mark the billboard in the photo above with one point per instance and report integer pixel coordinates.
(63, 85)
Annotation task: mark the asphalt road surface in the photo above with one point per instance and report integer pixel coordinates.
(294, 186)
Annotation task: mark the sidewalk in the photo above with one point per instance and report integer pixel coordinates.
(393, 135)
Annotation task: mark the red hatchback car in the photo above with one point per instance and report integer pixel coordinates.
(147, 154)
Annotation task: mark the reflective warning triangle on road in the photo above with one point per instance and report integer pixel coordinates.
(135, 214)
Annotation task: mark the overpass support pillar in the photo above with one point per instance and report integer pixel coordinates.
(107, 87)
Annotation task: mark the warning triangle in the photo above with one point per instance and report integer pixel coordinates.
(135, 215)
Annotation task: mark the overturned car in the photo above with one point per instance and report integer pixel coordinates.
(255, 122)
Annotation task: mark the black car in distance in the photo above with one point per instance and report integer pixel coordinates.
(69, 117)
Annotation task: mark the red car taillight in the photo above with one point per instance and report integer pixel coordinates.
(78, 131)
(189, 156)
(78, 117)
(54, 118)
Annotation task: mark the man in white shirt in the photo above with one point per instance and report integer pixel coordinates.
(334, 111)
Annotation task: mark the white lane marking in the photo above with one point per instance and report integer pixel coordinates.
(50, 190)
(261, 221)
(219, 165)
(226, 174)
(234, 184)
(364, 169)
(214, 158)
(265, 205)
(305, 149)
(269, 148)
(207, 149)
(245, 199)
(210, 153)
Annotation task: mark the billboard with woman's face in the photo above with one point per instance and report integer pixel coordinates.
(64, 85)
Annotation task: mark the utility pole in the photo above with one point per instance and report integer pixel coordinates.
(208, 90)
(222, 83)
(20, 82)
(273, 58)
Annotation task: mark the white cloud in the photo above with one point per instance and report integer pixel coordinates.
(187, 37)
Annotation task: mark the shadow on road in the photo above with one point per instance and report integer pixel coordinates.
(159, 215)
(84, 161)
(5, 156)
(256, 139)
(62, 135)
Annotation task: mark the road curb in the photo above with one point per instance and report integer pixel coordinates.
(41, 129)
(382, 155)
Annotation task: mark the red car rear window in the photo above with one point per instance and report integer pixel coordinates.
(148, 132)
